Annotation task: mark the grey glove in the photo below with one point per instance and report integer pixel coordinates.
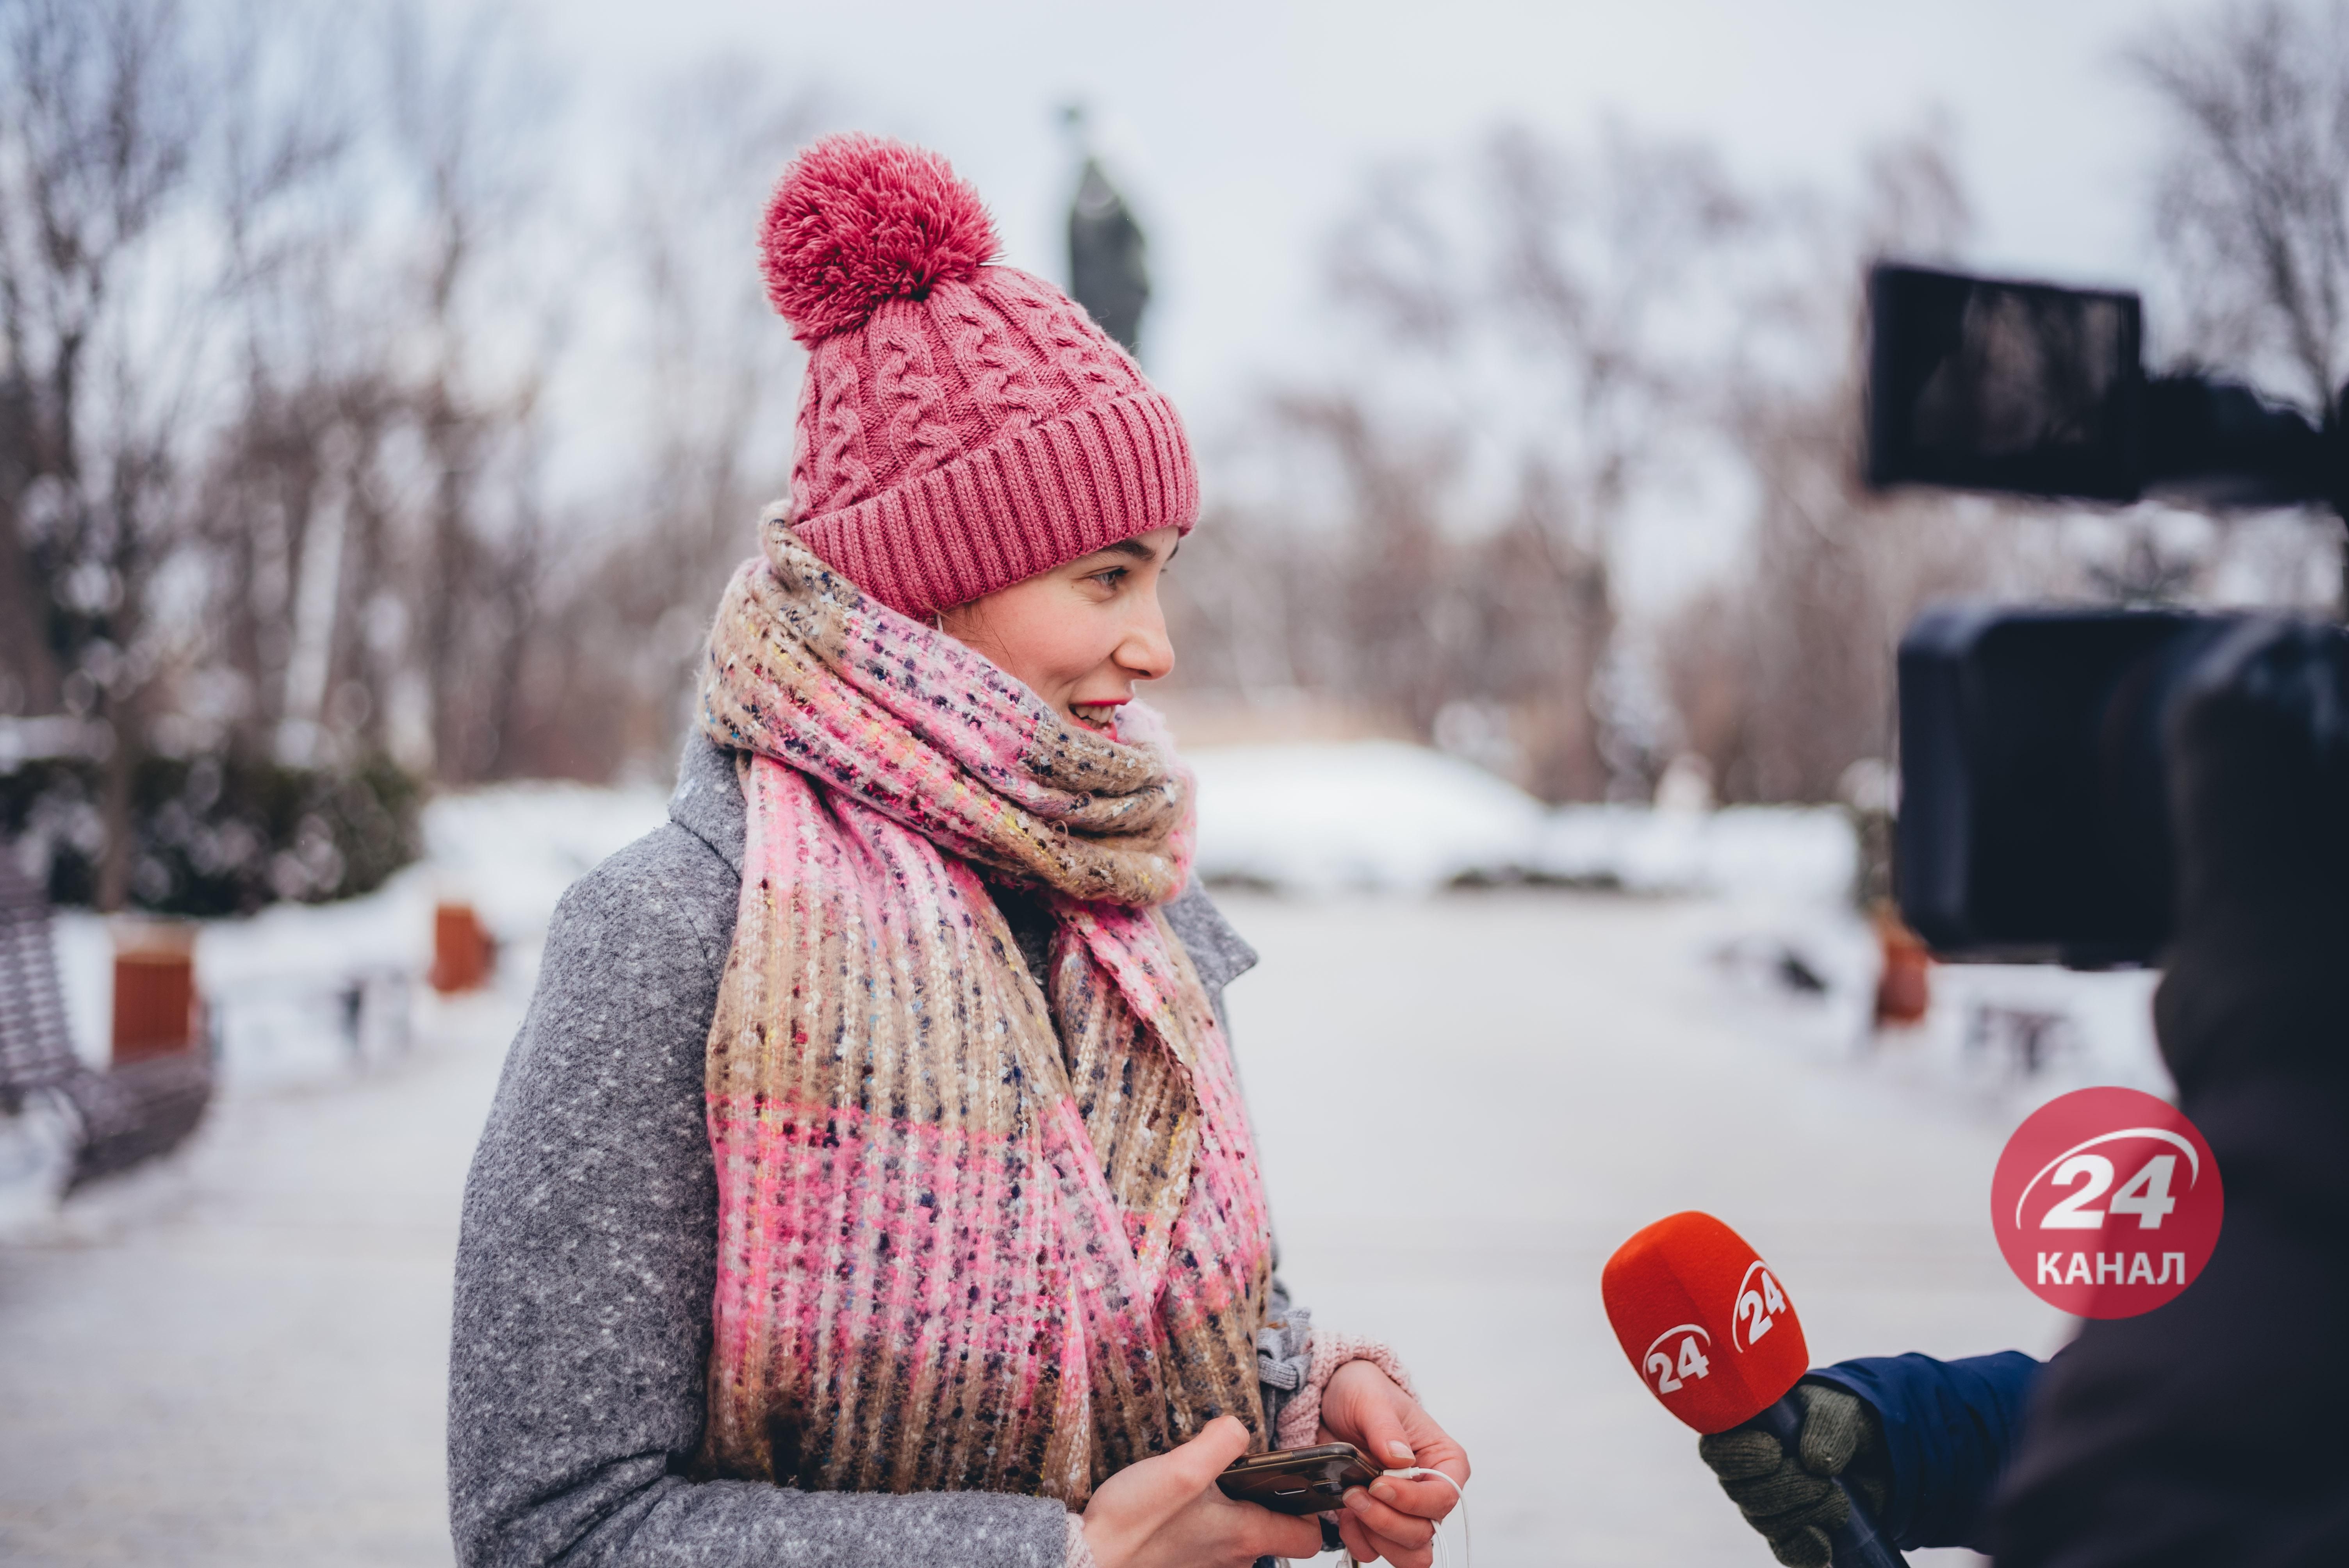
(1792, 1499)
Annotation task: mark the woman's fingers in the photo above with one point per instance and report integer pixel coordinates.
(1200, 1460)
(1383, 1520)
(1422, 1499)
(1393, 1517)
(1432, 1445)
(1390, 1428)
(1282, 1535)
(1381, 1433)
(1149, 1490)
(1167, 1512)
(1139, 1500)
(1262, 1532)
(1368, 1545)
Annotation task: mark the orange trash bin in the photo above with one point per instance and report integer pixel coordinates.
(462, 949)
(157, 1011)
(1904, 990)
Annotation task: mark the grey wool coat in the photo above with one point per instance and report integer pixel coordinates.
(589, 1254)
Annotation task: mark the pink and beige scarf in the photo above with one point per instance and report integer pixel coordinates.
(972, 1232)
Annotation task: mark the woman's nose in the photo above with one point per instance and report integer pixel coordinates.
(1147, 650)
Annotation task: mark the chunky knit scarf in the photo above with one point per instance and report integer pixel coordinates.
(972, 1233)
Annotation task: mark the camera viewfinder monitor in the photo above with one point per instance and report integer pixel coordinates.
(1978, 384)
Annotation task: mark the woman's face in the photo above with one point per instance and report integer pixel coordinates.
(1080, 635)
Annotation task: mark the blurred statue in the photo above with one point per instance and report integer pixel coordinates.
(1109, 267)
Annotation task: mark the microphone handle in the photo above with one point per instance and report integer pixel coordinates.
(1856, 1543)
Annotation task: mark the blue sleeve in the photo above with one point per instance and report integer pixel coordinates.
(1949, 1429)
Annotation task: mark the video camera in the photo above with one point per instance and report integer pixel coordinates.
(2034, 812)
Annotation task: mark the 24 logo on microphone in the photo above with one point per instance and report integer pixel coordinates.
(2107, 1202)
(1755, 1306)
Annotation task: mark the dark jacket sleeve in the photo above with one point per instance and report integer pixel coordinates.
(1950, 1427)
(2212, 1428)
(586, 1265)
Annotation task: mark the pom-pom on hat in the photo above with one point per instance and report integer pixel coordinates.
(859, 221)
(963, 424)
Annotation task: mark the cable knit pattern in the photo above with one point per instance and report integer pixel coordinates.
(1078, 349)
(971, 429)
(1001, 384)
(921, 436)
(1301, 1419)
(831, 430)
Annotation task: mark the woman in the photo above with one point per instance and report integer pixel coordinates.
(870, 1181)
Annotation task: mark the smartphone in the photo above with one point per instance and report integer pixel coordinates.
(1300, 1480)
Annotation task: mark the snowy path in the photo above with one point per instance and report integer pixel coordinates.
(241, 1359)
(1465, 1105)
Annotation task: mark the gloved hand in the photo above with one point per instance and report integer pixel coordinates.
(1791, 1498)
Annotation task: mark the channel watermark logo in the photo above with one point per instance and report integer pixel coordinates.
(2107, 1202)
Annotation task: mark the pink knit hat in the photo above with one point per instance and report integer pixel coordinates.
(963, 425)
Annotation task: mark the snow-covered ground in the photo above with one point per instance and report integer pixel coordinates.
(275, 982)
(1382, 816)
(1465, 1099)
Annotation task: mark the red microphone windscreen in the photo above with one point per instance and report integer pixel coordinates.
(1704, 1321)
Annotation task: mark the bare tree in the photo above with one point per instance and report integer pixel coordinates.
(378, 501)
(1525, 379)
(609, 683)
(1540, 590)
(2252, 197)
(1782, 675)
(462, 133)
(269, 415)
(99, 143)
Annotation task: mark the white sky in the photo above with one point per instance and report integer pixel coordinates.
(1241, 127)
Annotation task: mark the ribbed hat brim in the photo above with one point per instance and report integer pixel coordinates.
(1034, 500)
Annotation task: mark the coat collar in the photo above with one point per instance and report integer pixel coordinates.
(709, 798)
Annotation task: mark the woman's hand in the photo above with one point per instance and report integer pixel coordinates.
(1392, 1519)
(1167, 1512)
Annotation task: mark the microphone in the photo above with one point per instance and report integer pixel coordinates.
(1708, 1327)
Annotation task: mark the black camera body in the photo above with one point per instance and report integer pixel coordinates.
(2035, 806)
(2035, 743)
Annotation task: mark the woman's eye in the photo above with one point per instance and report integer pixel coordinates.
(1110, 578)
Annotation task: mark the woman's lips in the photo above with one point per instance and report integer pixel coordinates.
(1098, 716)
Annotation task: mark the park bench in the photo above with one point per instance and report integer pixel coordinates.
(119, 1116)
